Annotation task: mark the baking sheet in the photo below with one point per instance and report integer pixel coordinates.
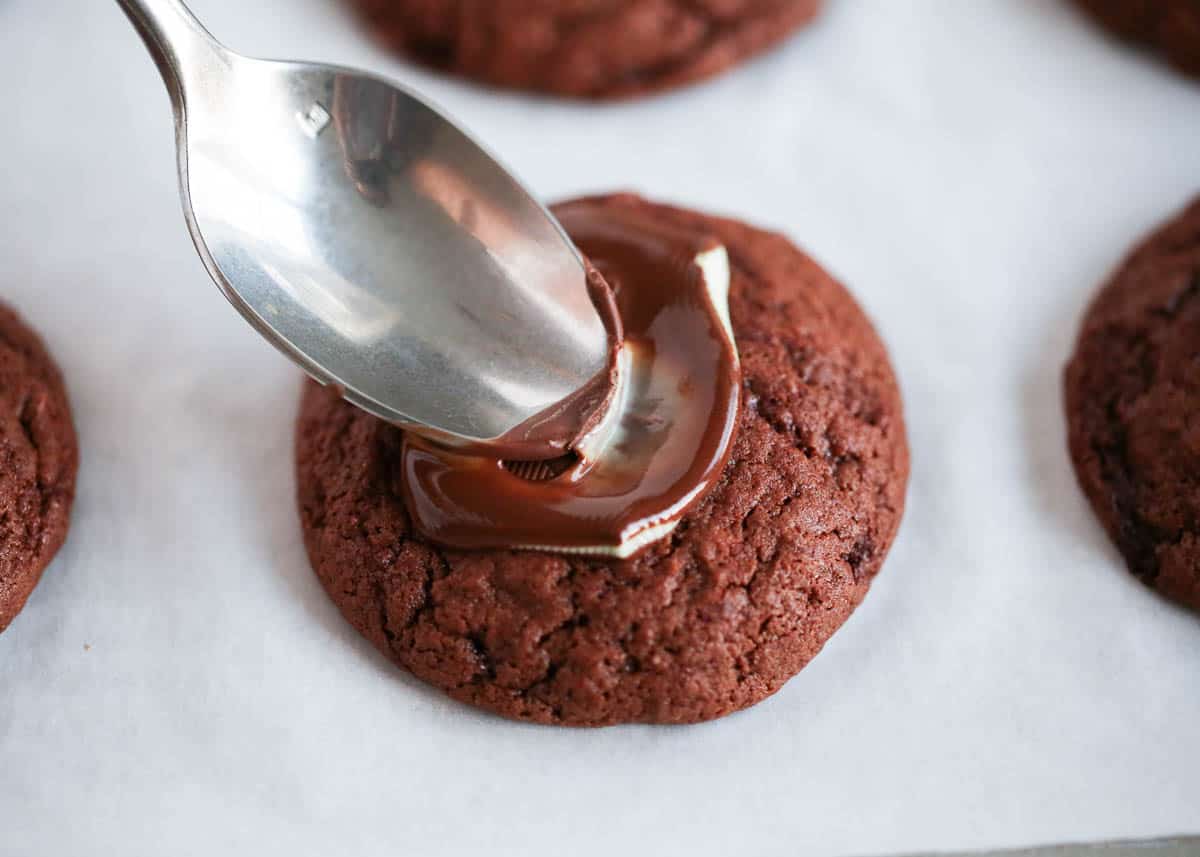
(179, 684)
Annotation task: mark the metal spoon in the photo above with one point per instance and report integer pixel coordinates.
(372, 241)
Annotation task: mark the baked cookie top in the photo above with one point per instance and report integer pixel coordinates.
(1168, 27)
(584, 48)
(1133, 408)
(38, 461)
(758, 575)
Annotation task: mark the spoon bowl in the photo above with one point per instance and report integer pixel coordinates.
(372, 241)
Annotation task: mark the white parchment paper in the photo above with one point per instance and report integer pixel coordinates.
(180, 685)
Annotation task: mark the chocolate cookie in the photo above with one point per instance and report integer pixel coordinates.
(717, 616)
(1170, 27)
(38, 460)
(1133, 408)
(584, 48)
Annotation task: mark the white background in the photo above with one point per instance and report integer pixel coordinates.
(180, 685)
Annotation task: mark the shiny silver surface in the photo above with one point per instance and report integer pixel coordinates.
(371, 240)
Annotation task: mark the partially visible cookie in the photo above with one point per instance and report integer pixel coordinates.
(584, 48)
(757, 577)
(38, 461)
(1133, 408)
(1169, 27)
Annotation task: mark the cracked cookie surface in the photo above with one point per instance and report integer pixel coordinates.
(584, 48)
(38, 461)
(759, 574)
(1133, 408)
(1168, 27)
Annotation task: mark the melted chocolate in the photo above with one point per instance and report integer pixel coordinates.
(678, 403)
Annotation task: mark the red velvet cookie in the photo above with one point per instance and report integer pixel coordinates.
(1169, 27)
(38, 461)
(1133, 408)
(715, 617)
(584, 48)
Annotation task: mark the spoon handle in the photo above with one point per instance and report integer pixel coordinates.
(185, 52)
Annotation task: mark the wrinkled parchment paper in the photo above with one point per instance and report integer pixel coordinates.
(180, 685)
